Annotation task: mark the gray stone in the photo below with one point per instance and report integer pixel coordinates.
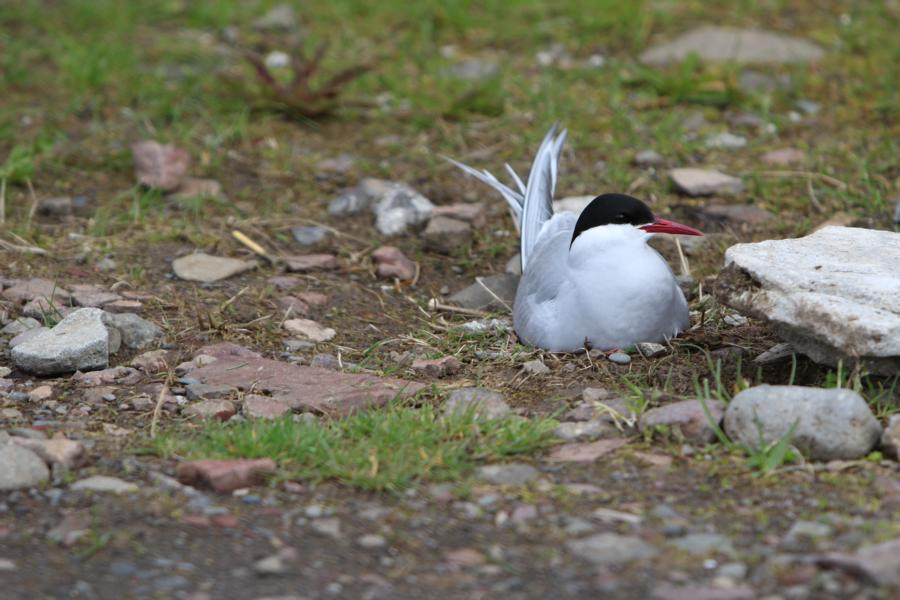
(20, 468)
(734, 214)
(651, 349)
(80, 342)
(136, 332)
(705, 182)
(350, 202)
(474, 69)
(514, 265)
(280, 16)
(535, 367)
(309, 235)
(832, 424)
(205, 268)
(704, 543)
(400, 208)
(727, 44)
(572, 431)
(620, 358)
(752, 81)
(328, 526)
(447, 235)
(103, 483)
(610, 548)
(726, 141)
(834, 294)
(502, 293)
(649, 158)
(878, 564)
(485, 403)
(508, 474)
(19, 326)
(26, 335)
(371, 541)
(339, 164)
(890, 439)
(783, 156)
(803, 532)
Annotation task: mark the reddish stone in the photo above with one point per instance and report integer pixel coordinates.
(392, 263)
(56, 450)
(586, 451)
(211, 409)
(472, 213)
(688, 416)
(302, 387)
(123, 306)
(225, 475)
(437, 367)
(228, 350)
(285, 282)
(23, 291)
(464, 557)
(85, 294)
(295, 306)
(263, 407)
(121, 375)
(310, 262)
(313, 298)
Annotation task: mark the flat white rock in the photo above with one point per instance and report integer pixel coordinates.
(103, 483)
(309, 329)
(834, 294)
(206, 268)
(80, 342)
(705, 182)
(729, 44)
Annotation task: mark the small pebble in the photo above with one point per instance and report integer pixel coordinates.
(620, 358)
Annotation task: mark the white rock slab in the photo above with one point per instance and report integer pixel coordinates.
(206, 268)
(705, 182)
(309, 329)
(728, 44)
(80, 342)
(834, 294)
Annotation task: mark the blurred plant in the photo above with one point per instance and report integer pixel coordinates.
(688, 83)
(303, 95)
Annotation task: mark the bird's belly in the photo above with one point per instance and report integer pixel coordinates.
(613, 311)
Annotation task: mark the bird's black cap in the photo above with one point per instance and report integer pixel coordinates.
(612, 209)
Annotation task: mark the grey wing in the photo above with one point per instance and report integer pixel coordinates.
(538, 206)
(535, 309)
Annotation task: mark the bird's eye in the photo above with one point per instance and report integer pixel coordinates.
(621, 218)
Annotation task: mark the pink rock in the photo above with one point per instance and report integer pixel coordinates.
(38, 308)
(228, 350)
(155, 361)
(123, 306)
(523, 512)
(687, 416)
(221, 410)
(392, 263)
(263, 407)
(120, 375)
(667, 591)
(310, 262)
(783, 156)
(23, 291)
(302, 387)
(437, 367)
(56, 450)
(92, 295)
(285, 282)
(162, 166)
(663, 461)
(314, 299)
(472, 213)
(40, 393)
(586, 451)
(464, 557)
(294, 305)
(225, 475)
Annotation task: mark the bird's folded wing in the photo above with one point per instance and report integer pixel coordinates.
(548, 260)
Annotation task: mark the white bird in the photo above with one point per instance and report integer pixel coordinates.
(588, 280)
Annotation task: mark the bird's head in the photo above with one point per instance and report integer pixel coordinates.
(620, 210)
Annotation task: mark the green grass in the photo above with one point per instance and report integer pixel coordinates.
(384, 450)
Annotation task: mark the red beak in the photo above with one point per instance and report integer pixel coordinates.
(664, 226)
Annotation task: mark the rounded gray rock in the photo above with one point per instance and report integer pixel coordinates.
(21, 468)
(832, 424)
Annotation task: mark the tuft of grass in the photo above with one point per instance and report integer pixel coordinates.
(381, 450)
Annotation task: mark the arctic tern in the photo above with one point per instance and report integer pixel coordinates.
(589, 281)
